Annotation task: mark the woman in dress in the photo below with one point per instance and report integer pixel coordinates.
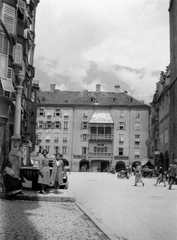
(44, 172)
(57, 174)
(138, 175)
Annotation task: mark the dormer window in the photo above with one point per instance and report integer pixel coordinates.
(114, 99)
(92, 99)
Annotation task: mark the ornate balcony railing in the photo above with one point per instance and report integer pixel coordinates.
(100, 154)
(101, 137)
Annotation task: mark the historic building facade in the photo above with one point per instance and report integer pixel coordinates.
(159, 122)
(18, 92)
(93, 129)
(173, 79)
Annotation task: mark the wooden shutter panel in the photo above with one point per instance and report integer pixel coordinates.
(18, 53)
(8, 17)
(4, 50)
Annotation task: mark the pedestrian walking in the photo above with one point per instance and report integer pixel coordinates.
(161, 177)
(173, 174)
(57, 173)
(168, 172)
(138, 175)
(44, 172)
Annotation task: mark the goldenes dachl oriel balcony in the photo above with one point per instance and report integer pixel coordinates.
(100, 137)
(100, 154)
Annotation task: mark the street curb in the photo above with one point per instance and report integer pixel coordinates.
(102, 227)
(36, 197)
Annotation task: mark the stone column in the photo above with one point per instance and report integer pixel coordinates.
(15, 154)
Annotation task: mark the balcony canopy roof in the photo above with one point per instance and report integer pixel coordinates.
(101, 117)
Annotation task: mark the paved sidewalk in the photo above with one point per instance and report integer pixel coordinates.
(44, 220)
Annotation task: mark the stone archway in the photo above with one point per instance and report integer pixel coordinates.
(120, 165)
(84, 165)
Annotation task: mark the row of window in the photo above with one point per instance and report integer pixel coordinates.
(98, 149)
(57, 113)
(84, 125)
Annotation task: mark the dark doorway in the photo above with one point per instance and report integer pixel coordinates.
(84, 165)
(120, 166)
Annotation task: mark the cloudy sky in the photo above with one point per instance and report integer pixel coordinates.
(80, 43)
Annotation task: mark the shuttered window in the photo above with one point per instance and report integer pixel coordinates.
(4, 49)
(8, 18)
(17, 53)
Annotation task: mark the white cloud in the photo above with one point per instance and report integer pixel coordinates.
(72, 33)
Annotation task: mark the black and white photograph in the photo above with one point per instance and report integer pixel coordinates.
(88, 119)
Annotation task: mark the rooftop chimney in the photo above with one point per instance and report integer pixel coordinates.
(117, 88)
(52, 87)
(98, 87)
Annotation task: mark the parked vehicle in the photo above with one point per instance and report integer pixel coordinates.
(123, 174)
(112, 170)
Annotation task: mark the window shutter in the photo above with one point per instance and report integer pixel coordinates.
(8, 17)
(18, 54)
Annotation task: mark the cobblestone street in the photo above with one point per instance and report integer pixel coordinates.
(32, 220)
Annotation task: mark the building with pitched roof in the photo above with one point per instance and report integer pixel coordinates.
(93, 129)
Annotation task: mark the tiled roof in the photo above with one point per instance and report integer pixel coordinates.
(101, 117)
(87, 98)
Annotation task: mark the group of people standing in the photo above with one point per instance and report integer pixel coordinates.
(12, 182)
(55, 178)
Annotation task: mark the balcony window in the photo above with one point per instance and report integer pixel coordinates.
(64, 150)
(49, 115)
(84, 125)
(40, 124)
(56, 149)
(85, 116)
(137, 154)
(84, 150)
(66, 116)
(121, 139)
(137, 114)
(137, 140)
(121, 151)
(41, 112)
(58, 124)
(65, 127)
(137, 126)
(84, 137)
(47, 148)
(49, 124)
(65, 139)
(56, 138)
(47, 139)
(121, 126)
(57, 112)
